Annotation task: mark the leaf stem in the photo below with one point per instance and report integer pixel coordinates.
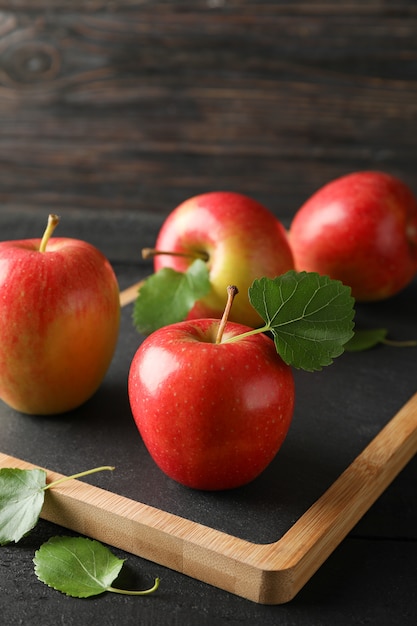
(249, 333)
(410, 343)
(79, 475)
(53, 221)
(149, 253)
(135, 593)
(232, 291)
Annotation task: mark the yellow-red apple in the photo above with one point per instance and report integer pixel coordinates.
(239, 239)
(59, 322)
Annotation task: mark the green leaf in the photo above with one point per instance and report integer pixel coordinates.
(21, 499)
(168, 296)
(80, 567)
(309, 315)
(22, 493)
(365, 339)
(77, 566)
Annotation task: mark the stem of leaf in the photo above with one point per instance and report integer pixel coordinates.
(399, 344)
(135, 593)
(79, 475)
(249, 333)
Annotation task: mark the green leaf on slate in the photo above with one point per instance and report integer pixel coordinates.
(80, 567)
(21, 499)
(168, 296)
(77, 566)
(366, 339)
(310, 316)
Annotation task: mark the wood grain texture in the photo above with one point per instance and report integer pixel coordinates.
(264, 573)
(137, 105)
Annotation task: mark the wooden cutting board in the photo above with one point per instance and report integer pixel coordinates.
(270, 573)
(265, 573)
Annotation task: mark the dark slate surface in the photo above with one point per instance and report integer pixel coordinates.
(339, 410)
(113, 112)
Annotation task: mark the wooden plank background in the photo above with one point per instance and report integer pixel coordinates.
(135, 105)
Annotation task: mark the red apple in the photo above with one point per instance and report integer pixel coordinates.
(212, 415)
(238, 237)
(59, 322)
(360, 229)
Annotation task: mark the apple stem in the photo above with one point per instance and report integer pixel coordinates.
(149, 253)
(232, 291)
(53, 221)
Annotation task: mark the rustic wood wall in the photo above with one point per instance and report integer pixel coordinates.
(135, 105)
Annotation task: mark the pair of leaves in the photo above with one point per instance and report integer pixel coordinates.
(311, 319)
(77, 566)
(309, 315)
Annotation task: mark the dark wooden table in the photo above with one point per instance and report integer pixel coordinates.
(111, 113)
(136, 105)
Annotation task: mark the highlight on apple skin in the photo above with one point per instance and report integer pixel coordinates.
(212, 415)
(361, 229)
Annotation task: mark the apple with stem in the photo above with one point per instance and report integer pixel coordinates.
(213, 399)
(361, 229)
(238, 239)
(212, 414)
(59, 322)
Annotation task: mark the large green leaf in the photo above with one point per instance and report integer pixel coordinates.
(80, 567)
(309, 315)
(77, 566)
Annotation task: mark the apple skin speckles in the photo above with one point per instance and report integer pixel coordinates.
(212, 416)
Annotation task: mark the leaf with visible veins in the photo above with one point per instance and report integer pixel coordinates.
(310, 316)
(22, 494)
(80, 567)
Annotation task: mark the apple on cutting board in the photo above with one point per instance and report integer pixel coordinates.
(59, 322)
(360, 228)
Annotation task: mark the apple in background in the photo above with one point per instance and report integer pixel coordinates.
(212, 415)
(361, 229)
(238, 238)
(59, 322)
